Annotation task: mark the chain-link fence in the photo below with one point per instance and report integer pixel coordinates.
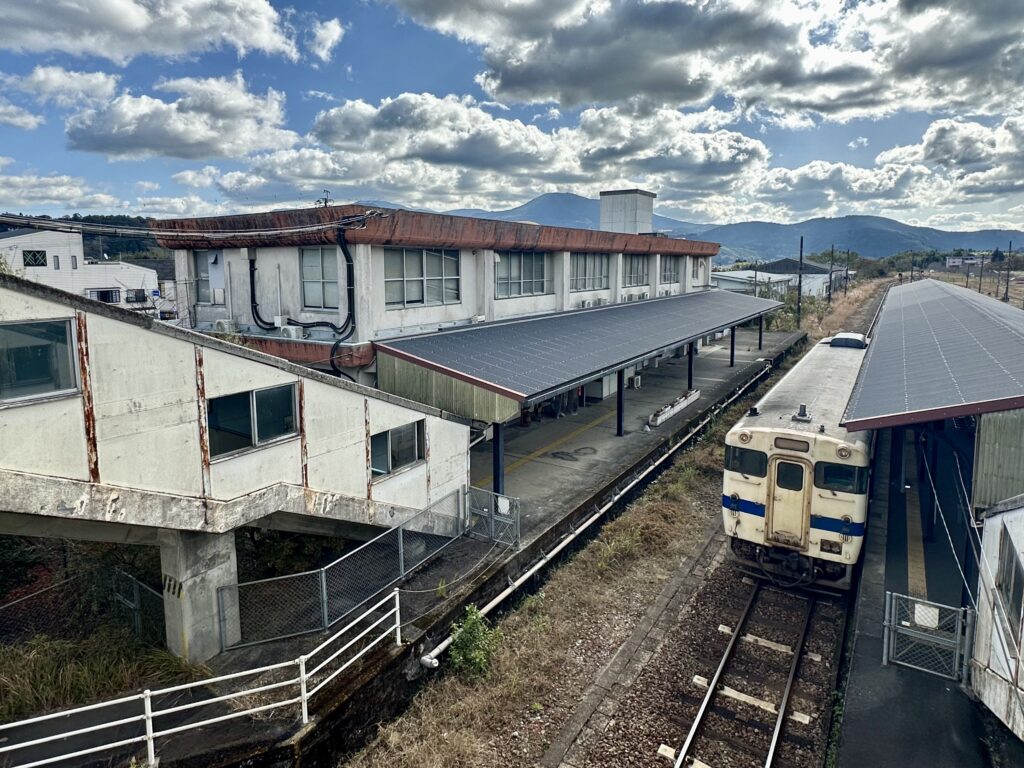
(272, 609)
(81, 604)
(927, 636)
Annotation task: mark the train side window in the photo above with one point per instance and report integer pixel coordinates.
(746, 461)
(789, 476)
(841, 478)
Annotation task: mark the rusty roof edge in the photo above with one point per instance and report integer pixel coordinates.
(415, 228)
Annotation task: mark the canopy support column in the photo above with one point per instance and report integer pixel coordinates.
(732, 346)
(760, 332)
(620, 403)
(689, 367)
(498, 457)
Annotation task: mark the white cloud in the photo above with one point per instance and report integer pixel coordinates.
(324, 37)
(65, 88)
(324, 95)
(204, 177)
(31, 192)
(13, 115)
(120, 30)
(214, 117)
(860, 141)
(146, 186)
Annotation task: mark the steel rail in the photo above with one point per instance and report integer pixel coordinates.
(798, 650)
(713, 683)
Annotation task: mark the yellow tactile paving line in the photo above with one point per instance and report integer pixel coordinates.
(917, 582)
(483, 482)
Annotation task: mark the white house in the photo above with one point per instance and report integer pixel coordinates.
(743, 281)
(57, 259)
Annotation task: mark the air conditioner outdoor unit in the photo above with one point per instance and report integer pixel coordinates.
(479, 318)
(600, 302)
(634, 382)
(630, 297)
(643, 296)
(666, 291)
(293, 332)
(225, 326)
(586, 304)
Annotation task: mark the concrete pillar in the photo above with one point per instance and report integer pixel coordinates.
(193, 566)
(690, 350)
(498, 458)
(365, 291)
(620, 403)
(485, 283)
(760, 331)
(615, 278)
(561, 262)
(655, 276)
(732, 346)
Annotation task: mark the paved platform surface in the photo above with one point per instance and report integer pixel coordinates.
(895, 716)
(557, 464)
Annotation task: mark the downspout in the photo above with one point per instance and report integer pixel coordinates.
(253, 304)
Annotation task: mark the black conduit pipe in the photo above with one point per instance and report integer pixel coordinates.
(253, 304)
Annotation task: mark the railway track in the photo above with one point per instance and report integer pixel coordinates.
(767, 701)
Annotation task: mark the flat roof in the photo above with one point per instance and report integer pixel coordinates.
(416, 229)
(939, 351)
(532, 359)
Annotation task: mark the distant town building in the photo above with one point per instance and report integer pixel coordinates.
(967, 261)
(57, 259)
(748, 281)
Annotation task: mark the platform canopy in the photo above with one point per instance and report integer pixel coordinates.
(939, 351)
(488, 372)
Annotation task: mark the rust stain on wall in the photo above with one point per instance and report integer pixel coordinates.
(411, 228)
(204, 434)
(308, 352)
(302, 434)
(369, 448)
(82, 339)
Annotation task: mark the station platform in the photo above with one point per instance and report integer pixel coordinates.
(557, 464)
(895, 716)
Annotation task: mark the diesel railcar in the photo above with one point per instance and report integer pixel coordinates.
(795, 485)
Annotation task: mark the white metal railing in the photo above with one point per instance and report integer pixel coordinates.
(304, 683)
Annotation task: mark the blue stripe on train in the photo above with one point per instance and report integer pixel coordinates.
(831, 524)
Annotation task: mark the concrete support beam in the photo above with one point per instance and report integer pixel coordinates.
(193, 566)
(615, 278)
(561, 269)
(13, 524)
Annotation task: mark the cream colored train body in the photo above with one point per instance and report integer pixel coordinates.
(795, 487)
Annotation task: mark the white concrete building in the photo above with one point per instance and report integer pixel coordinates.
(997, 669)
(57, 259)
(302, 295)
(116, 427)
(742, 281)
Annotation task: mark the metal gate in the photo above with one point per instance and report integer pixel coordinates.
(927, 636)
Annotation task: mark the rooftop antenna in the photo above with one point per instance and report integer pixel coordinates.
(1009, 255)
(323, 202)
(800, 283)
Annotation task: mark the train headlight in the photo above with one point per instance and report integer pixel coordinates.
(734, 504)
(832, 547)
(745, 437)
(844, 452)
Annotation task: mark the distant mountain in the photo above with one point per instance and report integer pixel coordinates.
(870, 236)
(873, 237)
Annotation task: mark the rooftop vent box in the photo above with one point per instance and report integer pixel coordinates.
(630, 211)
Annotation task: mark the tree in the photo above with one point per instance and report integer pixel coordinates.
(997, 256)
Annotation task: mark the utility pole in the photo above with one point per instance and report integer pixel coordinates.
(981, 271)
(755, 278)
(1009, 253)
(831, 263)
(800, 283)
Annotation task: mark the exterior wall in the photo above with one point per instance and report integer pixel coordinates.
(998, 458)
(992, 669)
(75, 275)
(149, 388)
(630, 212)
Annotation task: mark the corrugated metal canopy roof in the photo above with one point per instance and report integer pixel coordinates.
(534, 358)
(939, 351)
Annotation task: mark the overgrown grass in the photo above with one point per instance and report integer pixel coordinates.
(45, 674)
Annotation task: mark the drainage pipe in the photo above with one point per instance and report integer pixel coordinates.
(430, 660)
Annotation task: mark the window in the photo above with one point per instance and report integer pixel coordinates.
(1010, 581)
(841, 478)
(397, 448)
(36, 359)
(589, 271)
(745, 461)
(634, 271)
(670, 269)
(319, 278)
(415, 277)
(693, 267)
(789, 444)
(74, 261)
(56, 261)
(106, 295)
(33, 258)
(135, 295)
(789, 476)
(521, 273)
(249, 419)
(202, 276)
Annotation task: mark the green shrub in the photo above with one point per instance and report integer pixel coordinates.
(473, 644)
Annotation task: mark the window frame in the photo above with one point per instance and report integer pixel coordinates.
(738, 450)
(693, 267)
(202, 281)
(1010, 578)
(779, 469)
(36, 254)
(589, 271)
(447, 256)
(129, 293)
(636, 270)
(322, 280)
(860, 478)
(94, 294)
(255, 444)
(421, 453)
(520, 257)
(76, 383)
(669, 276)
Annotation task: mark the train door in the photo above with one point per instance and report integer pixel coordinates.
(789, 493)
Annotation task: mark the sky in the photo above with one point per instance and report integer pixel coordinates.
(730, 110)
